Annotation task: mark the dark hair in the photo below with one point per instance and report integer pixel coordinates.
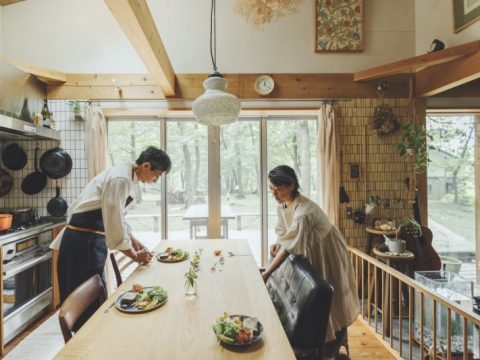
(158, 159)
(284, 175)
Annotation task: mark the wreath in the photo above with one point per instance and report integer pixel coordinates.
(384, 120)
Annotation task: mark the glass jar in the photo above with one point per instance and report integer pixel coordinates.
(190, 288)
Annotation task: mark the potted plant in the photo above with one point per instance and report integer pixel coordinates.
(372, 202)
(414, 143)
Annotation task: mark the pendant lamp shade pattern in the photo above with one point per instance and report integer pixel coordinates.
(215, 106)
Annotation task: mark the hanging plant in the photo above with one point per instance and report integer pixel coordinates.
(384, 120)
(414, 143)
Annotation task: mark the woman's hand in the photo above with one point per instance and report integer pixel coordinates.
(274, 249)
(265, 276)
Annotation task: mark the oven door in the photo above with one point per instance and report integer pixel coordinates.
(27, 291)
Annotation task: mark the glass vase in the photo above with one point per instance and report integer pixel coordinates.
(190, 289)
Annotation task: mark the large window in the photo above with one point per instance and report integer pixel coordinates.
(452, 191)
(247, 149)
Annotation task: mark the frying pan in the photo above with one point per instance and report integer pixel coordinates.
(14, 157)
(34, 182)
(57, 206)
(6, 182)
(56, 163)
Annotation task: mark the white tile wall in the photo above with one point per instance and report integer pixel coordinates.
(72, 134)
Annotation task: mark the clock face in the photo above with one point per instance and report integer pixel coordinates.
(264, 85)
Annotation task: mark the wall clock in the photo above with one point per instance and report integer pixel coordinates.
(264, 85)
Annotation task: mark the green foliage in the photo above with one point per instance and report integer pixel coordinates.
(414, 142)
(373, 200)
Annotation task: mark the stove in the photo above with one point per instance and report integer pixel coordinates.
(27, 275)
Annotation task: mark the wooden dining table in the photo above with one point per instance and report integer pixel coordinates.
(182, 327)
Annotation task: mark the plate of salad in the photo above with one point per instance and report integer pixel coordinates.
(141, 299)
(173, 255)
(237, 330)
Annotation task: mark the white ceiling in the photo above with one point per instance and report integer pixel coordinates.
(83, 36)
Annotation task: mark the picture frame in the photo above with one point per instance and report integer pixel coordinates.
(465, 13)
(338, 26)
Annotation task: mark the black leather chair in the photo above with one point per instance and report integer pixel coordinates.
(302, 300)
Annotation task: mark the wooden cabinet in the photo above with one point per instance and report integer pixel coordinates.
(56, 293)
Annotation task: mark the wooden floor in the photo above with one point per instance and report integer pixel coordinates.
(364, 345)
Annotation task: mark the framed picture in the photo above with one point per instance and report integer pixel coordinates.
(465, 13)
(339, 25)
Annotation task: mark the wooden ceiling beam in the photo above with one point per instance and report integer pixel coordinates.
(439, 78)
(137, 22)
(189, 87)
(47, 76)
(415, 63)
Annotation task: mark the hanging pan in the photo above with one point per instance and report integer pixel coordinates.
(6, 182)
(14, 157)
(56, 163)
(57, 206)
(36, 181)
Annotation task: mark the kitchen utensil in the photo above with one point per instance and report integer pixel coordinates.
(109, 307)
(344, 198)
(6, 182)
(14, 157)
(56, 163)
(21, 216)
(214, 267)
(5, 221)
(57, 206)
(36, 181)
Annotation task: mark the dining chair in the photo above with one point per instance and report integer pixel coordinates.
(120, 263)
(85, 298)
(302, 300)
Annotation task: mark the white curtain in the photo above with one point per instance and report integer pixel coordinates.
(96, 141)
(97, 161)
(328, 180)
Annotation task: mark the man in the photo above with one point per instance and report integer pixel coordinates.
(96, 221)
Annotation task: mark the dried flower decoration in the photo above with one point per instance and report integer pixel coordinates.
(384, 120)
(261, 12)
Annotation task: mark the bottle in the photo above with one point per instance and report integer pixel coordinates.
(45, 114)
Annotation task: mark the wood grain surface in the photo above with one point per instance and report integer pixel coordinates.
(182, 328)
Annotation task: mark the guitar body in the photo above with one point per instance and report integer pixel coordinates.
(429, 259)
(426, 258)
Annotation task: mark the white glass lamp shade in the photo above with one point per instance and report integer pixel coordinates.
(215, 106)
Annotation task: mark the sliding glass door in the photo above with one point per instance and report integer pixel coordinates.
(242, 153)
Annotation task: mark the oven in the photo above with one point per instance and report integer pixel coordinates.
(27, 291)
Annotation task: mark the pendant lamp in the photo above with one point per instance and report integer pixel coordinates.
(215, 106)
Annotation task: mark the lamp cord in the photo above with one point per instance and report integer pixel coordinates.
(213, 36)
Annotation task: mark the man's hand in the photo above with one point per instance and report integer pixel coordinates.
(144, 256)
(274, 249)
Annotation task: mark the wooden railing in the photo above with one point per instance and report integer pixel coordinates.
(373, 275)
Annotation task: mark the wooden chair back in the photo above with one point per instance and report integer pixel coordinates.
(78, 302)
(120, 263)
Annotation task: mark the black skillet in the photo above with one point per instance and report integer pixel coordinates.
(6, 182)
(36, 181)
(57, 206)
(14, 157)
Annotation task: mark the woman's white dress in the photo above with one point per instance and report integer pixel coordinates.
(304, 229)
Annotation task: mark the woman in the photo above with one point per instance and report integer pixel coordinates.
(96, 222)
(304, 229)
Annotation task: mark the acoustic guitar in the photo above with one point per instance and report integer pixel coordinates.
(420, 243)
